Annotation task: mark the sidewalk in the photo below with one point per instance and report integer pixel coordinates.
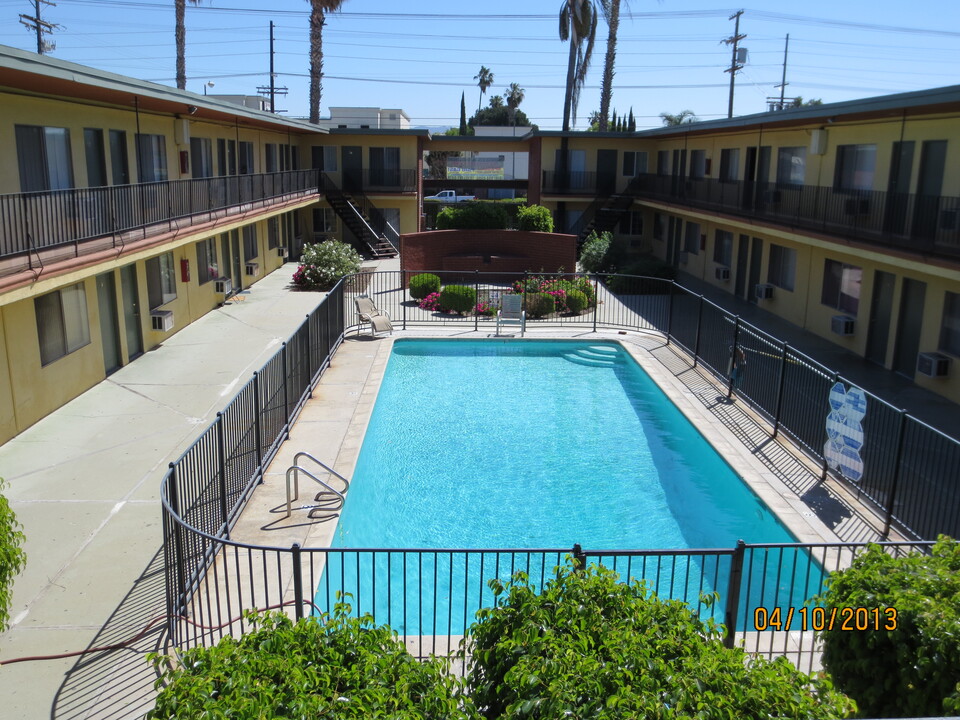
(84, 482)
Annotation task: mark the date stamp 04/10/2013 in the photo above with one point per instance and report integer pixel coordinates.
(819, 619)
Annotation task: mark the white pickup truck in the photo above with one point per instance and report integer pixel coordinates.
(450, 196)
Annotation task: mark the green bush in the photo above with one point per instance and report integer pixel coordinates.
(535, 218)
(587, 646)
(539, 304)
(327, 667)
(12, 557)
(576, 301)
(473, 216)
(458, 298)
(423, 284)
(322, 264)
(593, 254)
(910, 667)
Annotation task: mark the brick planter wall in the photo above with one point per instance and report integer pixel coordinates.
(487, 251)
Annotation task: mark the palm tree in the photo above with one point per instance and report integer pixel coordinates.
(578, 24)
(611, 13)
(496, 101)
(514, 96)
(180, 34)
(318, 8)
(684, 116)
(484, 79)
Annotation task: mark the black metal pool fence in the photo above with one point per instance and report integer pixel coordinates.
(909, 473)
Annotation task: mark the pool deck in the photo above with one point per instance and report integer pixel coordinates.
(84, 483)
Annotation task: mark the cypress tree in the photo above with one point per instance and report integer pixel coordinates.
(463, 114)
(632, 123)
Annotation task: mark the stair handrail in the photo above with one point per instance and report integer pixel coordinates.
(600, 203)
(296, 469)
(331, 189)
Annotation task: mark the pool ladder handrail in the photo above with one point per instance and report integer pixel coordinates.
(295, 471)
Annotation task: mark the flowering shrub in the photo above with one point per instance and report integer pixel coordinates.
(539, 304)
(484, 307)
(322, 264)
(559, 289)
(430, 302)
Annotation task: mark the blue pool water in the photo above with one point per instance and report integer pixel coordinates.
(529, 444)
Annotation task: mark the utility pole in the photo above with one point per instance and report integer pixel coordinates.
(272, 90)
(33, 22)
(783, 81)
(735, 66)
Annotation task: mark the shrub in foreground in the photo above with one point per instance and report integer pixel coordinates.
(576, 301)
(593, 254)
(539, 304)
(588, 646)
(423, 284)
(330, 666)
(322, 264)
(12, 557)
(458, 298)
(534, 218)
(473, 216)
(907, 662)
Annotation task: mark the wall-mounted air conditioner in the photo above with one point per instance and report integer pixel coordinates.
(223, 286)
(843, 324)
(281, 251)
(933, 364)
(722, 273)
(763, 291)
(162, 320)
(253, 269)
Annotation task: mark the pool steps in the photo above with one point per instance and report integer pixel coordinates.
(595, 356)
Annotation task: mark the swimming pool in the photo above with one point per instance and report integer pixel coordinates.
(535, 444)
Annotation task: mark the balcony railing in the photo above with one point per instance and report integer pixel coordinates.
(35, 221)
(576, 182)
(399, 180)
(928, 224)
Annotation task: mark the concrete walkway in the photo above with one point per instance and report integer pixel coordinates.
(84, 482)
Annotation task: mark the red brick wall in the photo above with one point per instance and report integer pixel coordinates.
(487, 251)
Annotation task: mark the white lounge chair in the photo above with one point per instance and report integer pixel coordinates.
(378, 319)
(511, 312)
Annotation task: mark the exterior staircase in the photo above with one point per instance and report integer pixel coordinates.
(358, 220)
(606, 211)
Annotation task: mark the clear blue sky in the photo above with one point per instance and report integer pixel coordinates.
(420, 55)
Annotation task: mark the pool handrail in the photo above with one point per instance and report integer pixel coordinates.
(295, 469)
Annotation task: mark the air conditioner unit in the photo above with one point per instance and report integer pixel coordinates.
(684, 258)
(281, 251)
(722, 273)
(253, 269)
(843, 324)
(162, 320)
(856, 206)
(950, 219)
(763, 291)
(933, 364)
(223, 286)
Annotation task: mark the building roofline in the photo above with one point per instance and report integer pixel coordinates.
(379, 131)
(111, 88)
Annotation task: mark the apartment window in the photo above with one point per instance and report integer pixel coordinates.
(96, 158)
(384, 166)
(151, 157)
(270, 155)
(729, 164)
(62, 324)
(324, 158)
(698, 164)
(691, 238)
(723, 248)
(782, 269)
(119, 165)
(658, 227)
(161, 281)
(632, 223)
(251, 248)
(43, 154)
(950, 325)
(791, 165)
(634, 163)
(285, 158)
(226, 157)
(324, 221)
(201, 157)
(841, 286)
(246, 158)
(273, 232)
(294, 157)
(855, 167)
(207, 268)
(663, 162)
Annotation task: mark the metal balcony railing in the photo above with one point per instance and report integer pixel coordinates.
(35, 221)
(399, 180)
(573, 182)
(929, 224)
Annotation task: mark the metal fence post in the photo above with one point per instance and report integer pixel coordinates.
(696, 340)
(897, 473)
(780, 383)
(733, 355)
(404, 292)
(476, 298)
(286, 398)
(309, 353)
(257, 429)
(222, 461)
(178, 598)
(579, 557)
(297, 581)
(825, 468)
(596, 300)
(670, 310)
(733, 594)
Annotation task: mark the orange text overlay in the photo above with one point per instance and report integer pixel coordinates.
(818, 618)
